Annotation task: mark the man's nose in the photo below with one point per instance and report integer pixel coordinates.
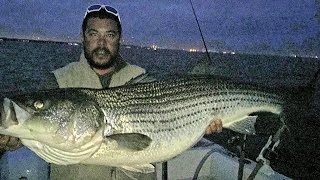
(102, 41)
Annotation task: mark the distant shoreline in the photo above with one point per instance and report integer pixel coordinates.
(228, 53)
(34, 40)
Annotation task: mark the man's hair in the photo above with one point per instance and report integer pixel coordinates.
(102, 14)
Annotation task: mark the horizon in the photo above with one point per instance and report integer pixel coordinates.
(192, 50)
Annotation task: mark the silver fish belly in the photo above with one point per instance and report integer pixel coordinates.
(150, 122)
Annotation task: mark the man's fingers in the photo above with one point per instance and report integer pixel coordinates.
(3, 141)
(211, 128)
(13, 143)
(215, 126)
(218, 123)
(9, 143)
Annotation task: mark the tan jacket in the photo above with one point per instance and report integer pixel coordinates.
(80, 74)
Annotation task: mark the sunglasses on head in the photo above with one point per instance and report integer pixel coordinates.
(98, 7)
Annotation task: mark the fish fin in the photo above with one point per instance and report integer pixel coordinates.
(132, 141)
(244, 125)
(143, 168)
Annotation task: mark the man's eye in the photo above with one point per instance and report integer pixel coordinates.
(111, 35)
(93, 34)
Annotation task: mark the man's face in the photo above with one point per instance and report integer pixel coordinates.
(101, 42)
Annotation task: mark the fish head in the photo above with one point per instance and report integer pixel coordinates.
(60, 117)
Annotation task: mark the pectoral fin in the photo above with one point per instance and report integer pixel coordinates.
(132, 141)
(244, 125)
(144, 168)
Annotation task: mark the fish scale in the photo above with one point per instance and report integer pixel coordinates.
(141, 123)
(177, 96)
(174, 110)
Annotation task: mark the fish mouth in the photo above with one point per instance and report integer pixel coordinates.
(12, 114)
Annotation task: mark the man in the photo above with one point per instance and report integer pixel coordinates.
(100, 66)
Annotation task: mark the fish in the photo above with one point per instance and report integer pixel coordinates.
(132, 126)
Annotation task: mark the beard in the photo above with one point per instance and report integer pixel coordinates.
(100, 52)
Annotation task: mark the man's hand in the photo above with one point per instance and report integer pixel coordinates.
(215, 126)
(9, 143)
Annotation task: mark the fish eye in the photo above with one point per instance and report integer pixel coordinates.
(38, 105)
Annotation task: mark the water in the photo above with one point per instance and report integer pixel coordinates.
(24, 66)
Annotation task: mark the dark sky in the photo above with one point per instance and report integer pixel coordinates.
(229, 24)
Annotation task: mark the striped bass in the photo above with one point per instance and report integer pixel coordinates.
(131, 126)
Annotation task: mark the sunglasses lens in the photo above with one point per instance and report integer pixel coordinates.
(111, 9)
(97, 7)
(94, 7)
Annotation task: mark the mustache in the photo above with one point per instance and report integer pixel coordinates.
(99, 49)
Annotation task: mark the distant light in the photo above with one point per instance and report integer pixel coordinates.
(73, 44)
(154, 47)
(193, 50)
